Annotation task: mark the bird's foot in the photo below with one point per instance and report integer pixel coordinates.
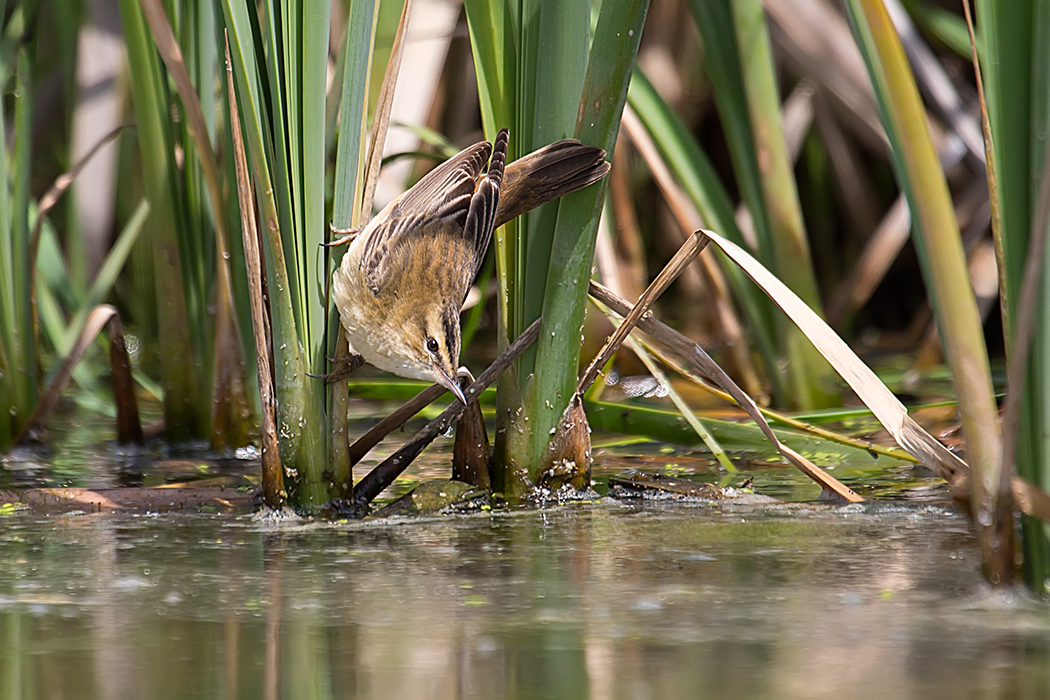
(345, 235)
(343, 368)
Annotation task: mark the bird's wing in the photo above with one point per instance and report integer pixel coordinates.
(438, 202)
(481, 217)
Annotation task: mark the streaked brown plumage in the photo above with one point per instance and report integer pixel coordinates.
(403, 280)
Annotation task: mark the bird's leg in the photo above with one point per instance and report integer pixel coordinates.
(345, 235)
(342, 368)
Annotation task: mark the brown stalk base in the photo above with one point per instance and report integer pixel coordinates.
(470, 453)
(568, 457)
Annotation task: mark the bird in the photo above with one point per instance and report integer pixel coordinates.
(402, 282)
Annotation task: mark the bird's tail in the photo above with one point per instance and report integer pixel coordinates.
(546, 174)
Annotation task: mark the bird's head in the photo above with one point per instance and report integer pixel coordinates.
(430, 344)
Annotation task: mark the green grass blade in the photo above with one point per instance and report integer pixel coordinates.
(553, 68)
(813, 381)
(487, 45)
(346, 206)
(10, 278)
(943, 261)
(1006, 31)
(26, 347)
(493, 43)
(357, 66)
(946, 25)
(1014, 45)
(198, 249)
(17, 354)
(284, 32)
(300, 400)
(278, 122)
(106, 277)
(609, 70)
(315, 30)
(1034, 464)
(494, 39)
(715, 21)
(384, 104)
(182, 411)
(694, 172)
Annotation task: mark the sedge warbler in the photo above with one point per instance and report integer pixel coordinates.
(403, 281)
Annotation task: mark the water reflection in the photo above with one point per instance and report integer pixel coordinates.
(602, 601)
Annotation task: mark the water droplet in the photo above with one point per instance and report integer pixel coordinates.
(630, 32)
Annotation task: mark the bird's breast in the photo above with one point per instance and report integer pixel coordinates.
(374, 323)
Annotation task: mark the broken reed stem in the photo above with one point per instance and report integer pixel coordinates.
(696, 358)
(395, 420)
(683, 408)
(93, 325)
(129, 429)
(383, 475)
(129, 426)
(45, 204)
(784, 419)
(685, 255)
(274, 493)
(471, 453)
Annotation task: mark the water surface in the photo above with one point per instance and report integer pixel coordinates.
(605, 599)
(601, 600)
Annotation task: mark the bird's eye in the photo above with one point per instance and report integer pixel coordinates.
(432, 345)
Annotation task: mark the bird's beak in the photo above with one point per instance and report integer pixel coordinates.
(452, 385)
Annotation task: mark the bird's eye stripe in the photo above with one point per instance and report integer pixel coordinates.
(449, 320)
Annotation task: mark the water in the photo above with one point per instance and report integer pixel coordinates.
(606, 600)
(603, 600)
